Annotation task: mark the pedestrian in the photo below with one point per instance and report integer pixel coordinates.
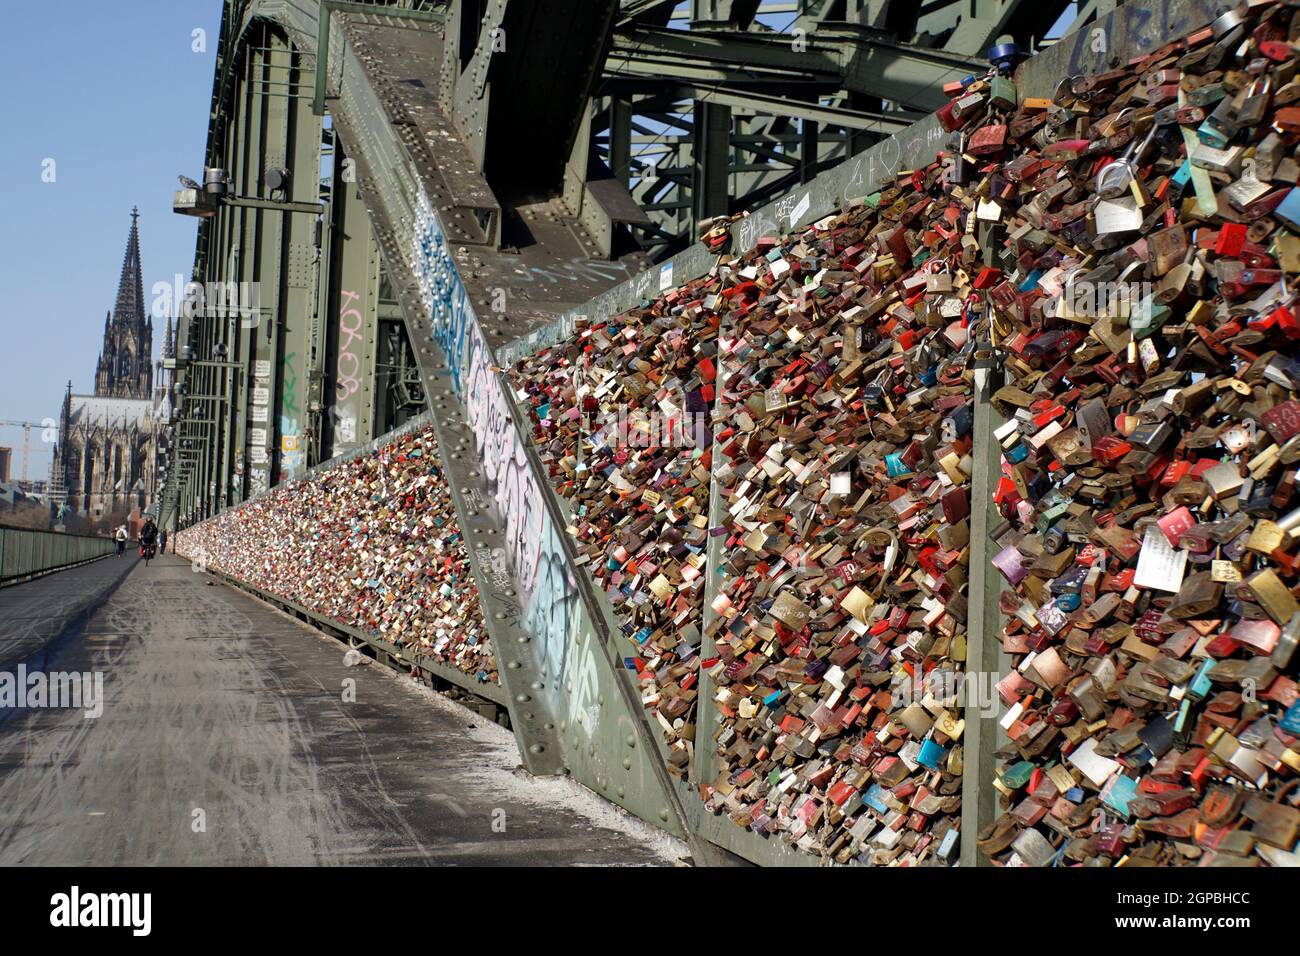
(162, 541)
(121, 540)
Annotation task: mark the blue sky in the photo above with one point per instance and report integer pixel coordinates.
(116, 96)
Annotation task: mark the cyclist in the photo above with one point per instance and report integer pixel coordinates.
(148, 540)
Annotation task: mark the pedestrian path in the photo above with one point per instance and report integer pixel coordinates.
(34, 613)
(232, 734)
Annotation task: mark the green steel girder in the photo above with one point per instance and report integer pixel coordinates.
(633, 11)
(843, 64)
(836, 56)
(326, 14)
(352, 313)
(401, 179)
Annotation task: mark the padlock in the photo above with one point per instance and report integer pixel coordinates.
(1221, 125)
(1287, 210)
(1254, 105)
(1002, 92)
(1272, 821)
(1247, 188)
(988, 140)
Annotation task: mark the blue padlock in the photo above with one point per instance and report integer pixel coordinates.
(931, 754)
(1288, 210)
(896, 466)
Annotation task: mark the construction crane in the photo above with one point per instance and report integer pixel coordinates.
(27, 440)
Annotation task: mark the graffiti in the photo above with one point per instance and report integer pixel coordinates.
(494, 566)
(292, 453)
(532, 546)
(509, 480)
(584, 688)
(752, 228)
(498, 590)
(289, 385)
(785, 208)
(864, 174)
(349, 362)
(553, 612)
(441, 292)
(1133, 29)
(577, 269)
(891, 154)
(345, 428)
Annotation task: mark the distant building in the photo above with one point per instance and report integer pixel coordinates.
(6, 461)
(107, 455)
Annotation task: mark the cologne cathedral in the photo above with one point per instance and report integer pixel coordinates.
(108, 452)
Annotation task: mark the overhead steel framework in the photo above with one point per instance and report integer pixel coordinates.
(595, 130)
(717, 106)
(603, 130)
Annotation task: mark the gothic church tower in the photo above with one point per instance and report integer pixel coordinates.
(126, 360)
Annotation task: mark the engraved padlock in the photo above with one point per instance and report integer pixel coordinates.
(1246, 188)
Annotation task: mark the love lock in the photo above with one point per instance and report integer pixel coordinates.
(1116, 178)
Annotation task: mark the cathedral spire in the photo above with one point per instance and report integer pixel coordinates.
(130, 287)
(126, 362)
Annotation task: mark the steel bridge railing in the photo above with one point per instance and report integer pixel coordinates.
(25, 552)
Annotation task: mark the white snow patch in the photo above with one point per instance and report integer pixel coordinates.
(501, 771)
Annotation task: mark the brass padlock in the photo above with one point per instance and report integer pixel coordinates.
(1273, 822)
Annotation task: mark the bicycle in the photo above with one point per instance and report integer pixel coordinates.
(148, 552)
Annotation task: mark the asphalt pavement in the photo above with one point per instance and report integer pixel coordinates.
(229, 735)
